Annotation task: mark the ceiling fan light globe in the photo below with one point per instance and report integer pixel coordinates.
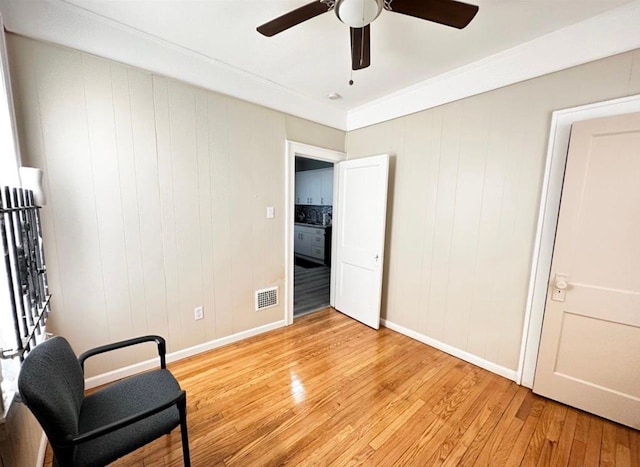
(358, 13)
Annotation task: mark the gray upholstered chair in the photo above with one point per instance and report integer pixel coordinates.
(99, 428)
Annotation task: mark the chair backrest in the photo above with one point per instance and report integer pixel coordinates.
(51, 385)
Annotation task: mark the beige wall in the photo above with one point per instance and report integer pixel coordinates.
(157, 193)
(465, 191)
(20, 438)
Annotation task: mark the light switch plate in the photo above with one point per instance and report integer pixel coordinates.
(271, 212)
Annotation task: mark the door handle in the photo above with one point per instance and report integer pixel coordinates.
(560, 285)
(561, 281)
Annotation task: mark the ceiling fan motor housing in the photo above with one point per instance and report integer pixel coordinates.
(358, 13)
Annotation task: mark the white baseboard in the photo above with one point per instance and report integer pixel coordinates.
(120, 373)
(461, 354)
(42, 449)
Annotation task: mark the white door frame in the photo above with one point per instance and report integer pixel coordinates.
(561, 122)
(312, 152)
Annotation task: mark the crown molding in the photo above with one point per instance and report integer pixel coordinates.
(71, 26)
(607, 34)
(65, 24)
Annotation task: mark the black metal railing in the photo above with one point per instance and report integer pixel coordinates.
(26, 271)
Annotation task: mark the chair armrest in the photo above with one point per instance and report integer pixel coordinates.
(162, 348)
(93, 434)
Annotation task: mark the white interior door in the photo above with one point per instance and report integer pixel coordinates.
(589, 353)
(359, 229)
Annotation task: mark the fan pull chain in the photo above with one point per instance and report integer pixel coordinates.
(351, 69)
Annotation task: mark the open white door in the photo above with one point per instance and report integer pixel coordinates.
(359, 230)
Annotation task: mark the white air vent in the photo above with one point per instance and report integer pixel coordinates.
(266, 298)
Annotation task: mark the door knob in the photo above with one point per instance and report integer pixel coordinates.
(560, 287)
(561, 281)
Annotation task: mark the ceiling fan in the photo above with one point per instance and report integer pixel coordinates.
(358, 14)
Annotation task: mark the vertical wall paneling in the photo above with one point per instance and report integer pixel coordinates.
(206, 222)
(634, 74)
(128, 200)
(444, 212)
(483, 319)
(31, 137)
(167, 210)
(275, 174)
(258, 161)
(144, 213)
(416, 208)
(21, 438)
(476, 167)
(105, 184)
(241, 205)
(185, 178)
(298, 129)
(430, 150)
(61, 92)
(466, 219)
(221, 212)
(157, 193)
(402, 210)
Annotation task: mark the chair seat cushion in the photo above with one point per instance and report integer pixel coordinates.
(122, 399)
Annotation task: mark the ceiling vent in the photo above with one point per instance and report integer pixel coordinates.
(266, 298)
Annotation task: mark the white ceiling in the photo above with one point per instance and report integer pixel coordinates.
(305, 63)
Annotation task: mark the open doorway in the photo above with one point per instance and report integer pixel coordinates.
(312, 235)
(311, 210)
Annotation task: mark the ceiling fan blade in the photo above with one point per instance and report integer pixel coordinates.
(360, 48)
(297, 16)
(447, 12)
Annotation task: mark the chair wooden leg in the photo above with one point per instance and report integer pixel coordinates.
(182, 408)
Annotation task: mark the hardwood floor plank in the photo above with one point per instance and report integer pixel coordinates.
(634, 447)
(582, 427)
(467, 404)
(400, 417)
(549, 445)
(538, 437)
(497, 409)
(454, 448)
(525, 407)
(578, 450)
(562, 451)
(497, 449)
(623, 456)
(524, 438)
(623, 447)
(359, 440)
(608, 449)
(331, 391)
(592, 456)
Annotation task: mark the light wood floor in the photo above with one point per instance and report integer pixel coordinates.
(330, 391)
